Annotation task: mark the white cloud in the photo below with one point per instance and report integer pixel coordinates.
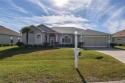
(68, 6)
(122, 25)
(112, 26)
(44, 7)
(16, 7)
(68, 14)
(115, 23)
(60, 3)
(77, 25)
(53, 19)
(98, 8)
(77, 5)
(64, 20)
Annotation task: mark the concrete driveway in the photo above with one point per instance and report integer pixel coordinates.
(116, 53)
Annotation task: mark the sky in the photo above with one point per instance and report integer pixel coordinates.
(101, 15)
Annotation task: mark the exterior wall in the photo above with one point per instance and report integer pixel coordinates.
(100, 41)
(119, 40)
(32, 37)
(6, 39)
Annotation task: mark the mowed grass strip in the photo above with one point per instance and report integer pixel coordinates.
(120, 47)
(31, 65)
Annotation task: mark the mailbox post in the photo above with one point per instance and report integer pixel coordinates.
(76, 50)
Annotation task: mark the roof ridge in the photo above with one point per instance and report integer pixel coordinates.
(97, 31)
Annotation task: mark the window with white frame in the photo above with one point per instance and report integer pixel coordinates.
(18, 39)
(11, 40)
(66, 40)
(38, 38)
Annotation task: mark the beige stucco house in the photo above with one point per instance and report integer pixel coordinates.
(119, 37)
(9, 37)
(65, 36)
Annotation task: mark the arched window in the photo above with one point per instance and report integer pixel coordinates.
(38, 38)
(66, 40)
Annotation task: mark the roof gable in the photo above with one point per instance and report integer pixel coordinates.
(45, 28)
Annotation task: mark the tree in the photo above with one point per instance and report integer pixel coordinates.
(26, 30)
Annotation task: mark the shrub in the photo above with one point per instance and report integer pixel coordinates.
(25, 46)
(113, 45)
(35, 45)
(99, 57)
(120, 44)
(71, 45)
(40, 45)
(80, 44)
(45, 44)
(57, 43)
(7, 44)
(20, 44)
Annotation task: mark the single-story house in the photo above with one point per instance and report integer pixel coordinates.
(65, 36)
(119, 37)
(9, 37)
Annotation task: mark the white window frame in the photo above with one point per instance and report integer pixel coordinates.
(36, 40)
(68, 37)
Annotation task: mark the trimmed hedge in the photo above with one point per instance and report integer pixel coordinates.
(113, 45)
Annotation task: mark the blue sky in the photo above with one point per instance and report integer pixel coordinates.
(101, 15)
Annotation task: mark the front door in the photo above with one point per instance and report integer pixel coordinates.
(52, 41)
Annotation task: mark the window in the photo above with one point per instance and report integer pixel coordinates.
(66, 40)
(113, 40)
(38, 38)
(18, 39)
(118, 39)
(11, 40)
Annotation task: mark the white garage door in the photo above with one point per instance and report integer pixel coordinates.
(96, 41)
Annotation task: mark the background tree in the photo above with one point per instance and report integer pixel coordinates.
(26, 30)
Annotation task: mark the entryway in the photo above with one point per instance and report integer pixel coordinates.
(52, 39)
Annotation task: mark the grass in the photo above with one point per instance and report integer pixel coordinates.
(35, 65)
(120, 47)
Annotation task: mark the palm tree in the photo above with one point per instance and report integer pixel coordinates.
(26, 30)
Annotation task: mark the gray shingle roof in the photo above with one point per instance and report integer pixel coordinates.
(119, 34)
(45, 28)
(71, 30)
(67, 30)
(7, 31)
(93, 32)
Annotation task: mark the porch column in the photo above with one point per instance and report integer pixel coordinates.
(56, 37)
(109, 40)
(47, 38)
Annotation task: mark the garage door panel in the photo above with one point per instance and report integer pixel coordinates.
(95, 41)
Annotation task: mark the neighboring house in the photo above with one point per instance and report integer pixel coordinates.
(119, 37)
(8, 37)
(65, 36)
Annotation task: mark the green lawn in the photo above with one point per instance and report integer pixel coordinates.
(120, 47)
(35, 65)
